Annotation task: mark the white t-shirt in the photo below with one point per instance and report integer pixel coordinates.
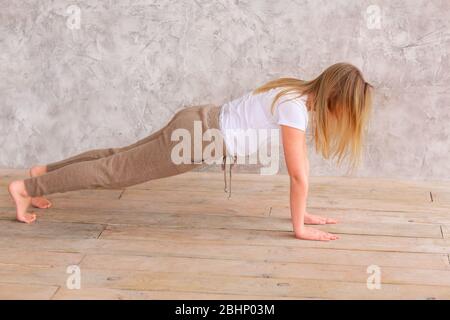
(246, 122)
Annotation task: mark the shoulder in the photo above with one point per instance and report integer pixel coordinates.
(293, 102)
(292, 112)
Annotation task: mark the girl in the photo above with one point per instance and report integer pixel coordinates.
(339, 102)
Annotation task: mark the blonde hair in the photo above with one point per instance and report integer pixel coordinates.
(341, 101)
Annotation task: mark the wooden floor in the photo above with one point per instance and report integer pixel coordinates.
(180, 238)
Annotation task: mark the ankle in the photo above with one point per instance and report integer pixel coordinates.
(18, 187)
(38, 171)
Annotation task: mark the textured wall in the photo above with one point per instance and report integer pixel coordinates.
(131, 64)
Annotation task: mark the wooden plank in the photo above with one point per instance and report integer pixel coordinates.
(376, 205)
(160, 245)
(205, 283)
(135, 214)
(126, 213)
(216, 195)
(386, 229)
(347, 198)
(396, 195)
(168, 207)
(217, 221)
(15, 291)
(440, 196)
(278, 186)
(240, 209)
(55, 230)
(363, 215)
(205, 178)
(276, 238)
(354, 215)
(304, 251)
(264, 269)
(258, 203)
(445, 228)
(40, 258)
(250, 206)
(205, 181)
(240, 203)
(223, 284)
(154, 217)
(350, 221)
(34, 275)
(280, 193)
(218, 202)
(120, 294)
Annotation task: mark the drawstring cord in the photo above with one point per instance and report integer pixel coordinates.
(224, 167)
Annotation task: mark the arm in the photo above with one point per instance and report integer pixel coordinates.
(295, 151)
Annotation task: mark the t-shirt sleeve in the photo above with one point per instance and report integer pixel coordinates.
(292, 114)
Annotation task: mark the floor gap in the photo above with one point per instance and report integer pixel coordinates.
(54, 294)
(104, 228)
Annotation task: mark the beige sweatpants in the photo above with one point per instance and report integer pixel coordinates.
(113, 168)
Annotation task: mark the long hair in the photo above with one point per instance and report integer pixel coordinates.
(341, 102)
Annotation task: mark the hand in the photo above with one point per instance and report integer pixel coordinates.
(313, 219)
(315, 234)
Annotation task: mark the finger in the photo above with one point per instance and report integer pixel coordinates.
(331, 236)
(320, 219)
(331, 221)
(326, 237)
(33, 217)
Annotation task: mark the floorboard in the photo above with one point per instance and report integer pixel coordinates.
(181, 238)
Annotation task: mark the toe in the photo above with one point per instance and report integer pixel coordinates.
(30, 218)
(41, 203)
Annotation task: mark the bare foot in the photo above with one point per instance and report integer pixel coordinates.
(22, 200)
(315, 234)
(312, 219)
(39, 202)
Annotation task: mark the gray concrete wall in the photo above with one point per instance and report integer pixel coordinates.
(131, 64)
